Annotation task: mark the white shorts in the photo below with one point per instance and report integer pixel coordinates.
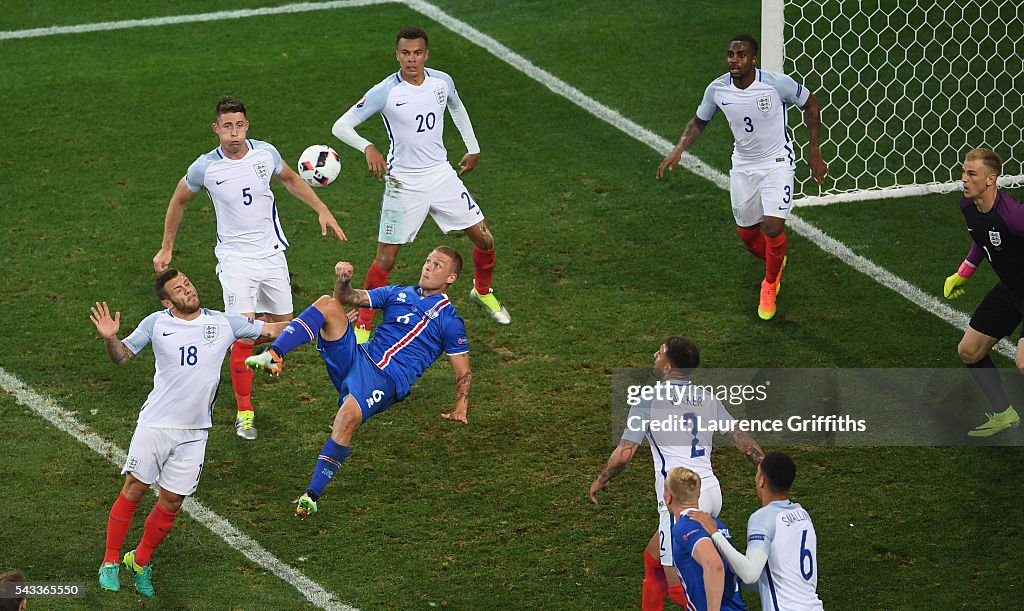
(759, 193)
(710, 502)
(171, 457)
(260, 286)
(408, 200)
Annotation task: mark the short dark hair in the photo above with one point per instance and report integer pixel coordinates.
(454, 255)
(412, 33)
(682, 353)
(747, 38)
(229, 104)
(165, 276)
(12, 576)
(779, 471)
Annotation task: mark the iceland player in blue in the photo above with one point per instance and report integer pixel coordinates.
(708, 582)
(419, 324)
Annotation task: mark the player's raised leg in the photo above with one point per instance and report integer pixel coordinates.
(483, 271)
(301, 330)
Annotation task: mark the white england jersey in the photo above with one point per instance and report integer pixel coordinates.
(789, 582)
(414, 118)
(757, 117)
(188, 354)
(247, 223)
(692, 414)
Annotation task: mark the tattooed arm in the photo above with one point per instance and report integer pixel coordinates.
(617, 463)
(746, 444)
(463, 382)
(343, 291)
(108, 326)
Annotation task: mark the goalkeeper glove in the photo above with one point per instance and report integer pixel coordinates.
(954, 286)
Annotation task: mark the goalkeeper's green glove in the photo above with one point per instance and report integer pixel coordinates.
(954, 286)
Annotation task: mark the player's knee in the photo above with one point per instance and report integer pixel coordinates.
(328, 306)
(969, 353)
(170, 502)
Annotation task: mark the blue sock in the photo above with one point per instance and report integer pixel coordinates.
(327, 464)
(299, 331)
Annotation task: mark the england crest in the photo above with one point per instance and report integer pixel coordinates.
(764, 103)
(995, 238)
(440, 96)
(211, 332)
(261, 170)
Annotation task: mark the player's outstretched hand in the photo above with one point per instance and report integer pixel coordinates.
(595, 487)
(344, 270)
(327, 220)
(375, 162)
(670, 161)
(819, 169)
(954, 286)
(456, 415)
(106, 325)
(469, 161)
(705, 520)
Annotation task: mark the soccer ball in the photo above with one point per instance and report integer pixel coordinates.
(319, 165)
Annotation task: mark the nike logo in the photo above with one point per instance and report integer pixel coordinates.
(726, 103)
(400, 103)
(783, 207)
(171, 333)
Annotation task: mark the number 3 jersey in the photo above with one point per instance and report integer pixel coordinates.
(247, 222)
(679, 425)
(757, 117)
(188, 354)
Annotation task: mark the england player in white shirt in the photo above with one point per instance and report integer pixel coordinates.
(251, 265)
(782, 547)
(691, 448)
(763, 160)
(418, 179)
(169, 445)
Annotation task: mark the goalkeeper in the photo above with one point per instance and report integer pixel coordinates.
(996, 224)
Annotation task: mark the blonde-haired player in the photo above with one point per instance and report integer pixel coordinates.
(707, 583)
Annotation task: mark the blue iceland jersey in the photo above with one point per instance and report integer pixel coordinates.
(415, 331)
(685, 534)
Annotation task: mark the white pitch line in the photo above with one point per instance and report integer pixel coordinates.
(105, 26)
(801, 227)
(65, 421)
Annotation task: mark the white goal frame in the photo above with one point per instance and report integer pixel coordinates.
(946, 72)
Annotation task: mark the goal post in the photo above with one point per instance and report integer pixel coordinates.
(907, 88)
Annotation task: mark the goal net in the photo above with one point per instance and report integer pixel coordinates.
(907, 87)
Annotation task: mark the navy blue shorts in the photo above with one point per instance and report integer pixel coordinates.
(353, 373)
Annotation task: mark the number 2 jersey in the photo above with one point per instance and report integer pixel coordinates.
(247, 222)
(188, 354)
(757, 117)
(688, 416)
(789, 581)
